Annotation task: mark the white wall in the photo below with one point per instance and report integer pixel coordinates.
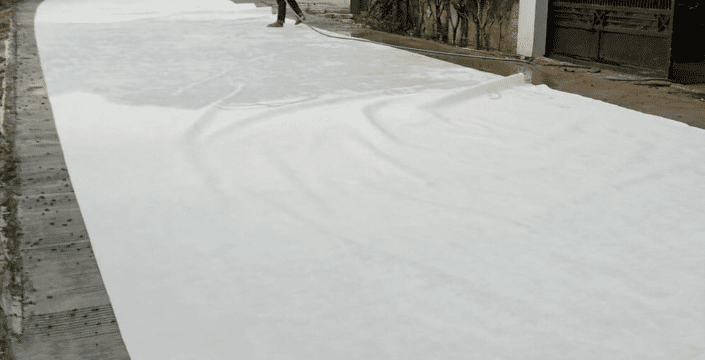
(533, 17)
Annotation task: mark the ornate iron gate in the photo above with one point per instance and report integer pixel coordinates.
(621, 32)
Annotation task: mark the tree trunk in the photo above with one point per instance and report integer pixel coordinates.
(455, 26)
(457, 36)
(437, 33)
(478, 30)
(464, 28)
(447, 21)
(409, 16)
(422, 18)
(501, 25)
(486, 39)
(443, 26)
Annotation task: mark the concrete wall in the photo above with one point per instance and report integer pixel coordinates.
(533, 20)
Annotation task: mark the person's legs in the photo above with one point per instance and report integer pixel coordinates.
(281, 14)
(295, 6)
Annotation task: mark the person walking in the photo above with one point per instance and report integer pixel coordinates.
(281, 15)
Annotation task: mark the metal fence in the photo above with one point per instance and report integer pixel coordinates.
(639, 4)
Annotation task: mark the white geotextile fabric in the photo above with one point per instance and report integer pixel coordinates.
(258, 193)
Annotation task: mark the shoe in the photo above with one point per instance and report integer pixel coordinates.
(300, 19)
(276, 24)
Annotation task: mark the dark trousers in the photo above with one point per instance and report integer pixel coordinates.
(282, 9)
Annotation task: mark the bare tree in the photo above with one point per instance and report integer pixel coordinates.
(391, 15)
(461, 10)
(428, 11)
(505, 14)
(441, 28)
(434, 18)
(484, 14)
(454, 26)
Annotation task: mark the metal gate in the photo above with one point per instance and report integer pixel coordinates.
(620, 32)
(687, 48)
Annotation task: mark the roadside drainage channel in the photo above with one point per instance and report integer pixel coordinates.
(53, 295)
